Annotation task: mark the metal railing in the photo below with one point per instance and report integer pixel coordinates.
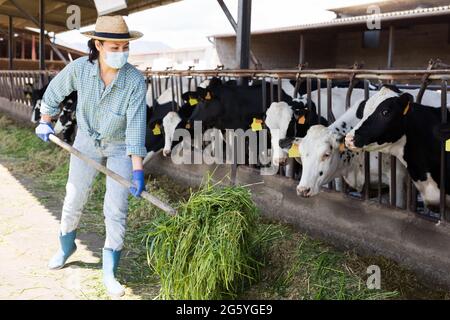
(14, 83)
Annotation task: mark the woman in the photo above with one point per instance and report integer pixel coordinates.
(111, 115)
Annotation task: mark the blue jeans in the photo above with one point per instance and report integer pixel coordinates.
(81, 177)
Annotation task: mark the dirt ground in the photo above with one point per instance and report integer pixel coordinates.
(29, 237)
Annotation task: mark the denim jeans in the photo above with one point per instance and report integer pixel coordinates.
(81, 177)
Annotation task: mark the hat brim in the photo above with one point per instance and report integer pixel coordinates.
(134, 35)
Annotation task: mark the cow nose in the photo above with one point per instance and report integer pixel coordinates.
(166, 153)
(350, 141)
(304, 192)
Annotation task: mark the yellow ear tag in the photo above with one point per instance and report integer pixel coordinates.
(342, 147)
(301, 120)
(157, 130)
(193, 102)
(294, 151)
(208, 96)
(447, 145)
(257, 124)
(187, 126)
(406, 110)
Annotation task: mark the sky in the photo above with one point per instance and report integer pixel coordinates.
(188, 23)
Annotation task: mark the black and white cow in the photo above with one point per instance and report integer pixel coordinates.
(324, 158)
(214, 113)
(158, 119)
(66, 122)
(289, 120)
(279, 117)
(394, 124)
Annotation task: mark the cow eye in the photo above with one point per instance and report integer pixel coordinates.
(326, 156)
(385, 113)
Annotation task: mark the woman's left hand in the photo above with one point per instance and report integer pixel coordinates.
(138, 182)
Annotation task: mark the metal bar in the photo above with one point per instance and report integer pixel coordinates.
(10, 43)
(380, 176)
(279, 89)
(443, 173)
(366, 190)
(319, 99)
(264, 94)
(391, 45)
(42, 34)
(329, 111)
(243, 36)
(173, 93)
(393, 191)
(272, 98)
(301, 58)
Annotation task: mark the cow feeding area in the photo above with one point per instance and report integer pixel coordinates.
(209, 250)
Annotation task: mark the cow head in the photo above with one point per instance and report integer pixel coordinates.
(284, 120)
(383, 121)
(321, 153)
(171, 123)
(67, 118)
(278, 119)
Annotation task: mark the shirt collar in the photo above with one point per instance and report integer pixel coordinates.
(119, 81)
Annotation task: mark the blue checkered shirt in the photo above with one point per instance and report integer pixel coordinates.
(113, 113)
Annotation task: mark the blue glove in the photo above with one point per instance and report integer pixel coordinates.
(138, 182)
(43, 130)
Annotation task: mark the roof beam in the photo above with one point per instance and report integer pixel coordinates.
(26, 16)
(81, 3)
(53, 7)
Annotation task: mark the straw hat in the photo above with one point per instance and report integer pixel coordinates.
(112, 28)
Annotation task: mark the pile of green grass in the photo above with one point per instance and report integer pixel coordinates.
(207, 251)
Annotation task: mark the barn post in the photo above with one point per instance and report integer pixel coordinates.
(243, 35)
(234, 25)
(42, 35)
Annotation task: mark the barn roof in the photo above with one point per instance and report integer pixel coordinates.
(56, 12)
(387, 6)
(429, 15)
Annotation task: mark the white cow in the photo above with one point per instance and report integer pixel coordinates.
(325, 158)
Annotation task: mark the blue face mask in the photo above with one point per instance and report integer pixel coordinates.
(116, 60)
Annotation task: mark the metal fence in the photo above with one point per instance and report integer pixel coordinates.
(14, 83)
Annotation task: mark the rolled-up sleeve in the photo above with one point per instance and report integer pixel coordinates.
(136, 121)
(58, 89)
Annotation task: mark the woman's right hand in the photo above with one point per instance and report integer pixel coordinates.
(44, 130)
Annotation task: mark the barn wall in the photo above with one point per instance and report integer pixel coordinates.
(328, 48)
(414, 47)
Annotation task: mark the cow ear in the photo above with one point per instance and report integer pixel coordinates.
(360, 110)
(185, 96)
(406, 99)
(201, 92)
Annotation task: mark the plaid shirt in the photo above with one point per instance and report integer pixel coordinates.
(113, 113)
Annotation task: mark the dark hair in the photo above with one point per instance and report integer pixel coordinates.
(93, 52)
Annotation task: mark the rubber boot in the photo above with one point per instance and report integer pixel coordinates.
(68, 247)
(110, 263)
